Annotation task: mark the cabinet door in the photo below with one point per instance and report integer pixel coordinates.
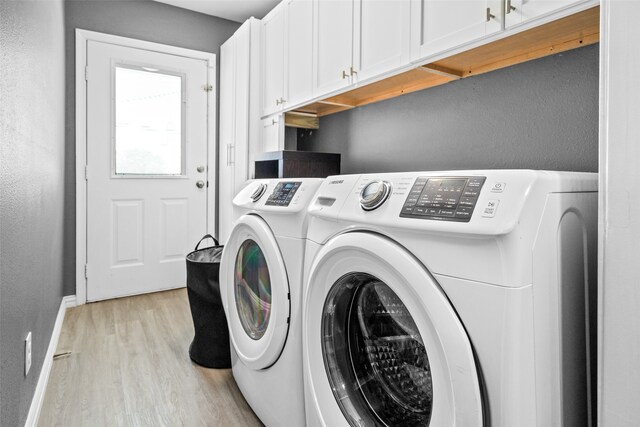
(520, 11)
(381, 36)
(441, 25)
(273, 61)
(227, 134)
(333, 39)
(273, 133)
(299, 52)
(240, 148)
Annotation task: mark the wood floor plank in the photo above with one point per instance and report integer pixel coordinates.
(129, 366)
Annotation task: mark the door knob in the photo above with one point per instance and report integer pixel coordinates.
(200, 184)
(200, 169)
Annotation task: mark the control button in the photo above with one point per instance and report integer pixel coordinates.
(471, 192)
(419, 211)
(433, 211)
(464, 212)
(467, 201)
(498, 187)
(490, 208)
(407, 209)
(447, 212)
(475, 182)
(411, 200)
(436, 205)
(449, 206)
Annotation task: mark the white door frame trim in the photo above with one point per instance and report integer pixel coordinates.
(82, 38)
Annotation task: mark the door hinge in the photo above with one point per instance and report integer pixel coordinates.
(86, 172)
(86, 271)
(86, 73)
(207, 88)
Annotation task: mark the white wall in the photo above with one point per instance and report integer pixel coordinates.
(619, 316)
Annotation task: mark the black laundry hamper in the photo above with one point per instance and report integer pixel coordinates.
(210, 345)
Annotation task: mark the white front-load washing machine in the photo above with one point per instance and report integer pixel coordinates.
(261, 289)
(459, 298)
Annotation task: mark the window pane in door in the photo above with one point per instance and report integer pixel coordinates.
(148, 122)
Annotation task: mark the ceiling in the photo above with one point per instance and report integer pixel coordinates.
(235, 10)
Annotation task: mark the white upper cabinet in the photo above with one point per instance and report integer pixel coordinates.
(358, 39)
(441, 25)
(299, 51)
(273, 57)
(381, 36)
(520, 11)
(287, 56)
(333, 45)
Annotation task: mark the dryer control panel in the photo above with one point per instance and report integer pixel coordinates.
(283, 193)
(449, 198)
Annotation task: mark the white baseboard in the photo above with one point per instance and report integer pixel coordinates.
(43, 379)
(70, 301)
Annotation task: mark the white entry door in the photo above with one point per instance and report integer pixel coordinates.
(146, 168)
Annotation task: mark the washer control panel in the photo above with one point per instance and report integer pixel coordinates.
(283, 193)
(443, 198)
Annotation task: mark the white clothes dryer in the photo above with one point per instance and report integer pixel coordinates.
(461, 298)
(261, 289)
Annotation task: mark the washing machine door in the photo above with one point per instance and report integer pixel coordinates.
(384, 346)
(255, 292)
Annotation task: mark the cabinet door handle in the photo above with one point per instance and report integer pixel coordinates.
(353, 71)
(282, 100)
(510, 8)
(228, 154)
(489, 15)
(344, 74)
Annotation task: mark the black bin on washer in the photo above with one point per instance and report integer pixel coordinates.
(210, 345)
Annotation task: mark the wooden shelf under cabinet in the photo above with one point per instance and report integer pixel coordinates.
(571, 32)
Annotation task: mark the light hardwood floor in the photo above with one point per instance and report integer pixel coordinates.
(129, 366)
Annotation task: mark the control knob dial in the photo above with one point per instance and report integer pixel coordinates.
(259, 191)
(374, 194)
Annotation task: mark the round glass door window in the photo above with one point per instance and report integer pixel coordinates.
(374, 355)
(252, 289)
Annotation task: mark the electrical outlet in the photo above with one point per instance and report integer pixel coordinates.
(27, 354)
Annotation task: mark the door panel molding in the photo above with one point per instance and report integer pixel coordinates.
(82, 39)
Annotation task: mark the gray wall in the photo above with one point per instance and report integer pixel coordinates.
(541, 114)
(31, 192)
(143, 20)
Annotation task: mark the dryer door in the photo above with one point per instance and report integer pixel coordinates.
(255, 292)
(384, 347)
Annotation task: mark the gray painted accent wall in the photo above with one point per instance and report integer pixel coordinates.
(144, 20)
(31, 192)
(541, 114)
